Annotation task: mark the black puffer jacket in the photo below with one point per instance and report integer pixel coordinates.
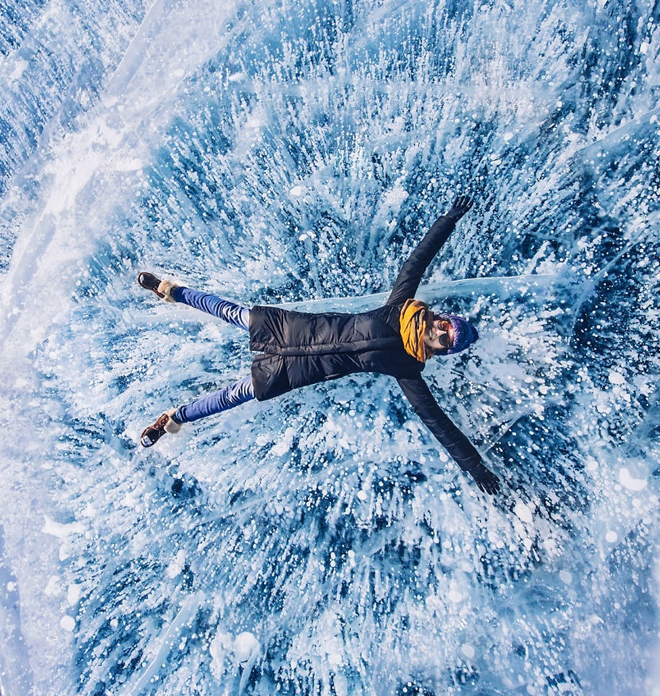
(296, 349)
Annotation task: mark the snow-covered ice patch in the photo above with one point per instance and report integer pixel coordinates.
(628, 481)
(616, 377)
(68, 623)
(523, 512)
(246, 646)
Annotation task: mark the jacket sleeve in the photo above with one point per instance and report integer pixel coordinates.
(413, 269)
(437, 421)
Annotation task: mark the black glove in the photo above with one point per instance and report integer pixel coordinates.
(459, 207)
(487, 481)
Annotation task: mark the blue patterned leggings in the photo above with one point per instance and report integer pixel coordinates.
(235, 394)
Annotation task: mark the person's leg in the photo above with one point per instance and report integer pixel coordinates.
(217, 402)
(234, 314)
(222, 400)
(170, 292)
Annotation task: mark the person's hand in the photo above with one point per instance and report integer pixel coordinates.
(487, 481)
(459, 207)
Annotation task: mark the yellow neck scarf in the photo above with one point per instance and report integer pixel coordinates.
(412, 326)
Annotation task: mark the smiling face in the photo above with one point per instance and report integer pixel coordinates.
(439, 335)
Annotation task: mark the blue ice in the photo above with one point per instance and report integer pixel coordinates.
(293, 154)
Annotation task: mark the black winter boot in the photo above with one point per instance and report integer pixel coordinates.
(163, 424)
(149, 282)
(162, 288)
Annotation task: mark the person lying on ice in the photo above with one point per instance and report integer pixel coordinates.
(296, 349)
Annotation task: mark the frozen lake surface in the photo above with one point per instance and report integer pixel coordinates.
(322, 543)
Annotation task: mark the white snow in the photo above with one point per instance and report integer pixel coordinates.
(177, 564)
(245, 646)
(219, 648)
(616, 377)
(68, 623)
(632, 484)
(524, 512)
(61, 531)
(73, 593)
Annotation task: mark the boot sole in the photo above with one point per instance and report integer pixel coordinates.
(149, 287)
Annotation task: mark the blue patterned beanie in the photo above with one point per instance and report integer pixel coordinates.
(464, 333)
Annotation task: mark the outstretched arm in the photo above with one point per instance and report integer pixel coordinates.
(413, 269)
(449, 436)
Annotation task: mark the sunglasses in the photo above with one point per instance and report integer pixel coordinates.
(445, 341)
